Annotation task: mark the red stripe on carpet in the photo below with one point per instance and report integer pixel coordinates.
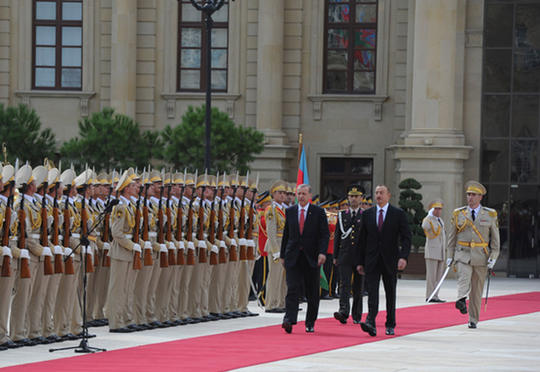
(267, 344)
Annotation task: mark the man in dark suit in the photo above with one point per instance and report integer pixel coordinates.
(345, 246)
(303, 251)
(384, 229)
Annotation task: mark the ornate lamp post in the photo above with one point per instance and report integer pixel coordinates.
(208, 7)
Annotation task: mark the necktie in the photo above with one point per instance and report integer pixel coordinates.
(353, 215)
(472, 214)
(439, 220)
(302, 217)
(380, 222)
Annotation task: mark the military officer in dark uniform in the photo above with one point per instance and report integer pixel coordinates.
(348, 226)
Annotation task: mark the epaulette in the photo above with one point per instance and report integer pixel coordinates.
(492, 212)
(459, 209)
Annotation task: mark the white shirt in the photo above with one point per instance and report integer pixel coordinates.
(476, 211)
(305, 208)
(384, 209)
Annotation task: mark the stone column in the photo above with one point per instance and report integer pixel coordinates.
(434, 146)
(270, 70)
(123, 56)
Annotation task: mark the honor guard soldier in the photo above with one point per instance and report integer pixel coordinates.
(65, 300)
(345, 251)
(122, 254)
(54, 192)
(434, 250)
(329, 265)
(473, 244)
(274, 215)
(261, 264)
(10, 252)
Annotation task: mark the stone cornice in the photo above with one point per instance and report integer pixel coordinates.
(319, 99)
(172, 97)
(84, 96)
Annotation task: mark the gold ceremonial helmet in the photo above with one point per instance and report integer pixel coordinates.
(278, 185)
(437, 203)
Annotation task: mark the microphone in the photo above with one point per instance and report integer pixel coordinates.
(110, 205)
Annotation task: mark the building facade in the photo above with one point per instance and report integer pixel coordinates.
(440, 90)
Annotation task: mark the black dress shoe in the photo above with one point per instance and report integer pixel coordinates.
(389, 331)
(310, 329)
(341, 317)
(25, 342)
(461, 305)
(436, 300)
(10, 344)
(287, 327)
(135, 327)
(69, 337)
(368, 328)
(240, 314)
(356, 321)
(121, 330)
(225, 316)
(3, 348)
(40, 340)
(472, 325)
(89, 335)
(249, 313)
(326, 297)
(54, 338)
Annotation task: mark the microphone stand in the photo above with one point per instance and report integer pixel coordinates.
(83, 345)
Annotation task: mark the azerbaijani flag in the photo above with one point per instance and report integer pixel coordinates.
(302, 176)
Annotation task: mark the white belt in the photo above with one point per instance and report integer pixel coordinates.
(152, 234)
(34, 236)
(128, 236)
(76, 235)
(14, 238)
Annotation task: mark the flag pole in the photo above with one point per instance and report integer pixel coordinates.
(300, 144)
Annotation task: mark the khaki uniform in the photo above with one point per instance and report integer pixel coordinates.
(434, 252)
(122, 223)
(471, 244)
(276, 287)
(7, 283)
(246, 266)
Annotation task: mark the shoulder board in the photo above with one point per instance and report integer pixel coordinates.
(457, 210)
(492, 212)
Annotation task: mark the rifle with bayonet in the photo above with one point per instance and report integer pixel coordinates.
(189, 230)
(58, 265)
(70, 269)
(200, 225)
(242, 223)
(43, 236)
(233, 255)
(222, 253)
(147, 257)
(25, 267)
(136, 229)
(212, 228)
(6, 261)
(84, 230)
(106, 235)
(168, 213)
(179, 219)
(163, 259)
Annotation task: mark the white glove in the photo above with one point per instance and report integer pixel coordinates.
(58, 250)
(163, 248)
(136, 248)
(242, 241)
(50, 220)
(491, 263)
(88, 250)
(202, 244)
(6, 251)
(67, 251)
(181, 245)
(215, 249)
(46, 252)
(191, 246)
(25, 253)
(233, 242)
(250, 243)
(222, 244)
(106, 246)
(275, 256)
(147, 245)
(172, 246)
(449, 261)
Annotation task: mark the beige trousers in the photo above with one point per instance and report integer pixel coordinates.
(6, 291)
(48, 320)
(471, 282)
(117, 295)
(275, 293)
(66, 300)
(18, 328)
(434, 272)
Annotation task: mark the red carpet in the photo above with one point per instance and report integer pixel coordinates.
(262, 345)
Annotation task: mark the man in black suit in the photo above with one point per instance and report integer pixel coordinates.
(345, 246)
(303, 251)
(384, 228)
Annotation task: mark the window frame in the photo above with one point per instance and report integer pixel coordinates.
(351, 26)
(203, 52)
(58, 23)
